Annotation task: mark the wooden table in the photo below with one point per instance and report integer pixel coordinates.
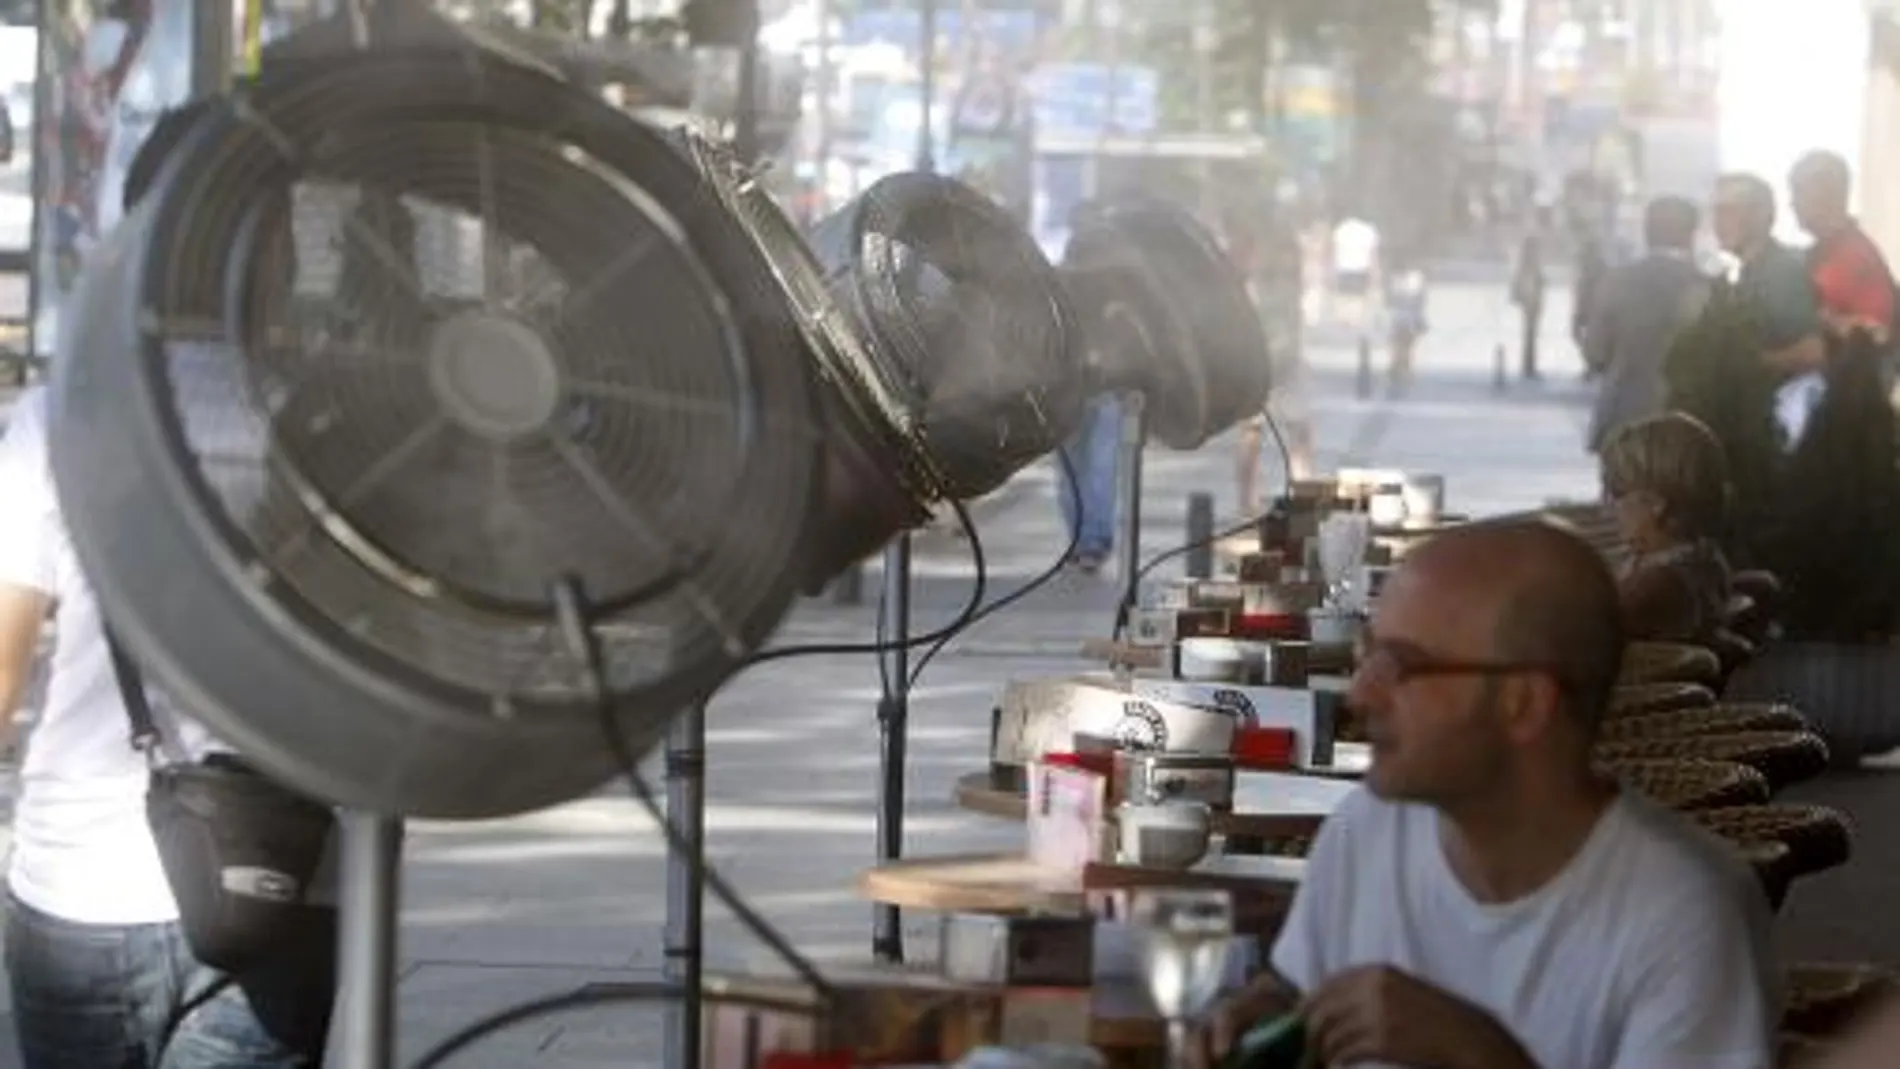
(973, 883)
(1267, 805)
(1011, 883)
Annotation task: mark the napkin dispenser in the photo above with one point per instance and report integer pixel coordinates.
(1043, 716)
(1157, 778)
(1018, 951)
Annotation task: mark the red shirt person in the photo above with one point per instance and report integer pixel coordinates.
(1852, 282)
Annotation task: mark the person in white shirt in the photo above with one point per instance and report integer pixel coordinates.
(99, 967)
(1489, 900)
(1356, 251)
(1355, 256)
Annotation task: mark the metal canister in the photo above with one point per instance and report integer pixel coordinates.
(1152, 778)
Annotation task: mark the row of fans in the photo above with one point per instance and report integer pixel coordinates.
(402, 341)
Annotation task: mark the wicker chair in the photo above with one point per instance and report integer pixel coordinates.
(1784, 757)
(1828, 999)
(1731, 652)
(1669, 662)
(1692, 785)
(1747, 618)
(1643, 699)
(1761, 586)
(1721, 719)
(1817, 838)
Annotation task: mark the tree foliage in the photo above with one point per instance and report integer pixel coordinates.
(1372, 40)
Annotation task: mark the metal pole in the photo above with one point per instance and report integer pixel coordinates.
(1200, 536)
(1204, 45)
(686, 739)
(893, 706)
(821, 119)
(893, 727)
(927, 86)
(368, 909)
(1134, 437)
(685, 893)
(212, 48)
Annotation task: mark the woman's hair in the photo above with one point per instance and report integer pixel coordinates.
(1678, 459)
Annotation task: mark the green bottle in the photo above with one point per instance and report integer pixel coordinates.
(1279, 1043)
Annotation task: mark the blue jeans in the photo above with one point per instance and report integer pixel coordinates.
(96, 996)
(1095, 454)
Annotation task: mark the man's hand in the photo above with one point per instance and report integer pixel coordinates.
(1380, 1014)
(1842, 325)
(1266, 997)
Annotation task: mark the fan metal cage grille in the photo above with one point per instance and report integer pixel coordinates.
(432, 353)
(1169, 316)
(963, 310)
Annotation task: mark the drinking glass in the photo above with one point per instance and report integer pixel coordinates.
(1343, 538)
(1185, 936)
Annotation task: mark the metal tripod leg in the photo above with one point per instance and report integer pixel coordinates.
(893, 729)
(685, 887)
(368, 912)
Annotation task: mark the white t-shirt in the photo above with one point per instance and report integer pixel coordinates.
(1649, 951)
(1355, 246)
(82, 850)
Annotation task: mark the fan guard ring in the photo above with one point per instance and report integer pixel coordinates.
(270, 659)
(966, 313)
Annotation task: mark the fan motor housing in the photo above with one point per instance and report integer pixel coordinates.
(379, 698)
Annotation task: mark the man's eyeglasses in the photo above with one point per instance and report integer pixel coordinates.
(1393, 663)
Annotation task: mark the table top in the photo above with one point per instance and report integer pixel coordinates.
(974, 883)
(1267, 805)
(1011, 883)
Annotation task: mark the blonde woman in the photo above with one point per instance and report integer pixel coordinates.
(1665, 481)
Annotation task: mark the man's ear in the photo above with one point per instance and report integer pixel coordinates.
(1532, 705)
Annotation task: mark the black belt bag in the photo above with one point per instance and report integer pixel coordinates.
(242, 853)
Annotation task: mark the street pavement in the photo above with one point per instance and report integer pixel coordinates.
(510, 909)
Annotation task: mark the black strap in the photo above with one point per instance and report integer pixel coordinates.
(138, 709)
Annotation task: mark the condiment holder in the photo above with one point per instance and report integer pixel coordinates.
(1157, 779)
(1335, 626)
(1171, 835)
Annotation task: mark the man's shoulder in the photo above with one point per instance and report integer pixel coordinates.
(1669, 851)
(1363, 815)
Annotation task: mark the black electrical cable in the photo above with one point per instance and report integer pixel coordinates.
(962, 620)
(545, 1006)
(1126, 607)
(1072, 483)
(582, 635)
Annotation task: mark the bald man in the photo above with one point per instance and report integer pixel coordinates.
(1852, 283)
(1489, 900)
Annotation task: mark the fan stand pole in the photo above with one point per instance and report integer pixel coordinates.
(893, 704)
(1134, 442)
(368, 913)
(685, 884)
(893, 728)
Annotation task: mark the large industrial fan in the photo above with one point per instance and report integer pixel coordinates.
(398, 345)
(404, 342)
(945, 341)
(1168, 317)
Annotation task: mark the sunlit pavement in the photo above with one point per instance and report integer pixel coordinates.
(510, 909)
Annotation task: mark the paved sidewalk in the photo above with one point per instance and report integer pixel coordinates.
(509, 909)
